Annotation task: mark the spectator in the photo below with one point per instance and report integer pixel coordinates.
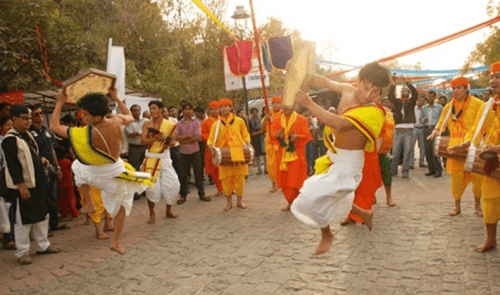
(8, 238)
(26, 183)
(146, 115)
(443, 101)
(133, 131)
(188, 133)
(256, 137)
(418, 133)
(4, 109)
(263, 139)
(311, 155)
(430, 117)
(241, 114)
(45, 142)
(171, 115)
(67, 199)
(199, 114)
(487, 94)
(404, 117)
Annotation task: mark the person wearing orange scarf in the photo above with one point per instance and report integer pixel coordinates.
(233, 133)
(490, 186)
(463, 108)
(272, 144)
(206, 125)
(293, 135)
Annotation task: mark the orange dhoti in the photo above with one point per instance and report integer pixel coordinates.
(371, 181)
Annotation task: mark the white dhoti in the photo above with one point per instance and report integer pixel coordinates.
(167, 184)
(115, 193)
(326, 198)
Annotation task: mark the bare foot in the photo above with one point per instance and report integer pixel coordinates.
(87, 221)
(152, 219)
(455, 212)
(367, 218)
(218, 194)
(346, 221)
(478, 210)
(88, 208)
(228, 207)
(108, 224)
(390, 203)
(117, 248)
(171, 215)
(102, 236)
(286, 208)
(325, 243)
(241, 205)
(486, 245)
(273, 190)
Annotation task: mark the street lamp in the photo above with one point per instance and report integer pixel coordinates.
(240, 17)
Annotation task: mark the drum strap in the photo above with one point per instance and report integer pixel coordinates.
(445, 121)
(480, 124)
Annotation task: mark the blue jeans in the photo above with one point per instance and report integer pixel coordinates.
(402, 145)
(418, 136)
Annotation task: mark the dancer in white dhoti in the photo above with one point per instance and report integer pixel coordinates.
(328, 197)
(97, 148)
(159, 135)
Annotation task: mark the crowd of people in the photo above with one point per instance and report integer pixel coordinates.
(328, 163)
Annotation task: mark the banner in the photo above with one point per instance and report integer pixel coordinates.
(252, 80)
(281, 51)
(239, 57)
(13, 97)
(116, 65)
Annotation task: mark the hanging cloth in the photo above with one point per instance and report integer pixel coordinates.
(281, 51)
(239, 57)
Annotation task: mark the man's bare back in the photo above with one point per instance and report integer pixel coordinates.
(112, 132)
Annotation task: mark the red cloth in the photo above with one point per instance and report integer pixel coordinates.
(13, 97)
(67, 179)
(210, 168)
(371, 181)
(291, 180)
(67, 202)
(239, 57)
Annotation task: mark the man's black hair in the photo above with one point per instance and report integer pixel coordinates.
(199, 109)
(253, 109)
(18, 109)
(171, 107)
(60, 152)
(4, 120)
(66, 119)
(3, 105)
(95, 104)
(376, 74)
(35, 107)
(431, 92)
(187, 104)
(422, 95)
(158, 103)
(135, 105)
(487, 89)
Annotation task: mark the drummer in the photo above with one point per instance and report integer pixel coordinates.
(463, 108)
(233, 133)
(491, 186)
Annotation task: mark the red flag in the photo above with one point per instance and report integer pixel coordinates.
(239, 57)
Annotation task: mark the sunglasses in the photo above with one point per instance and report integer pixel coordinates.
(25, 117)
(38, 114)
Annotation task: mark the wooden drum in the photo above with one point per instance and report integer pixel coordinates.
(222, 156)
(441, 149)
(478, 167)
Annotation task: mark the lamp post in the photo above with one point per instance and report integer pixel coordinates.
(240, 17)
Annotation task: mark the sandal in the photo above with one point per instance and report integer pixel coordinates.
(181, 201)
(10, 246)
(25, 259)
(205, 198)
(50, 250)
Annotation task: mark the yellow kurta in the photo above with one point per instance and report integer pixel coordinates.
(458, 130)
(272, 146)
(240, 130)
(153, 165)
(491, 128)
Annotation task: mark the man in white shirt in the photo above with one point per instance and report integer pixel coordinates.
(133, 131)
(418, 133)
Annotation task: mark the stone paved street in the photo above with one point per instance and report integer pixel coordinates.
(414, 248)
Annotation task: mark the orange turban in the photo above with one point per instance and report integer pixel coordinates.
(495, 67)
(213, 104)
(459, 81)
(225, 102)
(277, 99)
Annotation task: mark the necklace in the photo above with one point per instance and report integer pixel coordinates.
(453, 109)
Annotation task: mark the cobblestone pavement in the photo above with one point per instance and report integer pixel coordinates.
(414, 248)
